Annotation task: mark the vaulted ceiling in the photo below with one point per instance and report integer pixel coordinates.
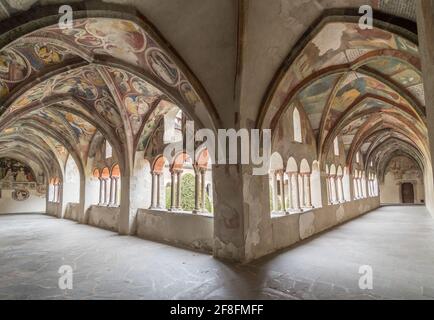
(363, 86)
(60, 87)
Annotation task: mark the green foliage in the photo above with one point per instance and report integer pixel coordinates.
(187, 192)
(187, 195)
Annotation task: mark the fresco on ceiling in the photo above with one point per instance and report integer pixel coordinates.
(154, 119)
(137, 96)
(355, 86)
(402, 73)
(20, 60)
(314, 98)
(338, 43)
(14, 171)
(84, 84)
(124, 40)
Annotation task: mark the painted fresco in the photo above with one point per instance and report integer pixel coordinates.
(19, 61)
(137, 96)
(314, 98)
(14, 171)
(402, 73)
(123, 40)
(339, 43)
(154, 119)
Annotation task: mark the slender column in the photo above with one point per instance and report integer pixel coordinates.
(297, 194)
(55, 193)
(290, 193)
(340, 189)
(202, 189)
(158, 191)
(172, 191)
(275, 196)
(196, 192)
(101, 189)
(153, 190)
(359, 181)
(302, 191)
(282, 190)
(331, 189)
(116, 196)
(111, 198)
(105, 193)
(328, 189)
(308, 191)
(356, 188)
(178, 190)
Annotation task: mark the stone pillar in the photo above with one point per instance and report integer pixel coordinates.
(202, 190)
(282, 176)
(178, 190)
(242, 224)
(308, 191)
(196, 191)
(172, 192)
(359, 181)
(329, 191)
(275, 197)
(297, 193)
(425, 26)
(111, 193)
(333, 189)
(101, 190)
(302, 191)
(341, 189)
(116, 195)
(290, 192)
(104, 192)
(153, 189)
(158, 191)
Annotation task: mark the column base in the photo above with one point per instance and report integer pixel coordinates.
(292, 211)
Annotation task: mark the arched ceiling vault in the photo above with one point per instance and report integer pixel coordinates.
(110, 74)
(362, 86)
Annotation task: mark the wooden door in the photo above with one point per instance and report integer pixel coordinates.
(407, 193)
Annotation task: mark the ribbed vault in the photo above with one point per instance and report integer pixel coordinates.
(360, 86)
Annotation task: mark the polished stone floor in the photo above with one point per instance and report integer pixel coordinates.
(397, 242)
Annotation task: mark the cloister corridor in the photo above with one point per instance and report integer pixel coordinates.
(397, 241)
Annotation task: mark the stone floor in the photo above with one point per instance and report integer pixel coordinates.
(398, 242)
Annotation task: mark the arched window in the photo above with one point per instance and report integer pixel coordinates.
(347, 185)
(182, 195)
(104, 187)
(56, 190)
(203, 179)
(71, 185)
(336, 146)
(305, 185)
(108, 150)
(297, 126)
(51, 190)
(333, 185)
(316, 185)
(158, 188)
(276, 183)
(292, 172)
(115, 185)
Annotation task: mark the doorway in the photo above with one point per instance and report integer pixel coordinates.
(407, 193)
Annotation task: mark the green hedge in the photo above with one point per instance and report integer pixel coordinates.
(187, 195)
